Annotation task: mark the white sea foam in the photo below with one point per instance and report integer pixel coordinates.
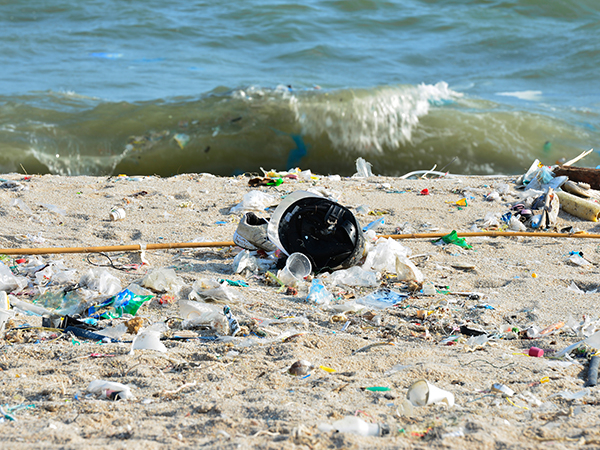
(369, 120)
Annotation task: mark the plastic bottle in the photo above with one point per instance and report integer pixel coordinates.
(318, 294)
(374, 225)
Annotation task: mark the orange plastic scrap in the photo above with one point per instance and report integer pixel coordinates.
(552, 328)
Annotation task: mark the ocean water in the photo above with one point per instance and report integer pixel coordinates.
(104, 87)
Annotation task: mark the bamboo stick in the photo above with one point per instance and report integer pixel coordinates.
(172, 245)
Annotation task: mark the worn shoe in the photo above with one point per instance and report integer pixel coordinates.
(251, 233)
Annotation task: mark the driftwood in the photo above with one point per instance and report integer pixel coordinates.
(580, 174)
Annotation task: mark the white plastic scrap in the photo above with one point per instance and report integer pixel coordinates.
(149, 339)
(363, 168)
(196, 314)
(205, 289)
(354, 276)
(256, 201)
(107, 388)
(101, 280)
(164, 280)
(382, 255)
(9, 281)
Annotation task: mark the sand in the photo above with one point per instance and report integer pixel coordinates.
(237, 393)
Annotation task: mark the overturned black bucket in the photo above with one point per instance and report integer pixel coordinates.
(325, 231)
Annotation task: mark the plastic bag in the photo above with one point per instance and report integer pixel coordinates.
(125, 302)
(382, 298)
(354, 276)
(10, 282)
(382, 255)
(363, 168)
(318, 294)
(164, 280)
(452, 238)
(210, 290)
(195, 314)
(100, 280)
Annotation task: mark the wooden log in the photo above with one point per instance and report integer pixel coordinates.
(580, 174)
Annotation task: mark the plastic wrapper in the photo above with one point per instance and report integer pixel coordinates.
(125, 302)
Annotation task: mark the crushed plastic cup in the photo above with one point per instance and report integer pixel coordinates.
(296, 268)
(423, 393)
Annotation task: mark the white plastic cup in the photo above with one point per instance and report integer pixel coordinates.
(296, 268)
(117, 214)
(422, 393)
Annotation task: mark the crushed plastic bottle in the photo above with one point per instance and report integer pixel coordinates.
(318, 294)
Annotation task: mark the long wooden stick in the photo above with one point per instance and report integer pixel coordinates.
(113, 248)
(170, 245)
(493, 234)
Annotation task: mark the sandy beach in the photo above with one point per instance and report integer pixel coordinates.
(236, 392)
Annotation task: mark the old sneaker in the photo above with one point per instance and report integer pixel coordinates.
(251, 233)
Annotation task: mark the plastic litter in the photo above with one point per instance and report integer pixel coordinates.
(382, 298)
(110, 389)
(593, 341)
(10, 282)
(213, 291)
(452, 238)
(125, 302)
(353, 425)
(407, 271)
(234, 326)
(101, 280)
(18, 203)
(592, 375)
(318, 294)
(255, 201)
(163, 280)
(423, 393)
(197, 314)
(325, 231)
(363, 168)
(5, 316)
(149, 339)
(354, 276)
(382, 256)
(568, 395)
(296, 268)
(374, 225)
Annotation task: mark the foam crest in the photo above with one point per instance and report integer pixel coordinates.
(370, 120)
